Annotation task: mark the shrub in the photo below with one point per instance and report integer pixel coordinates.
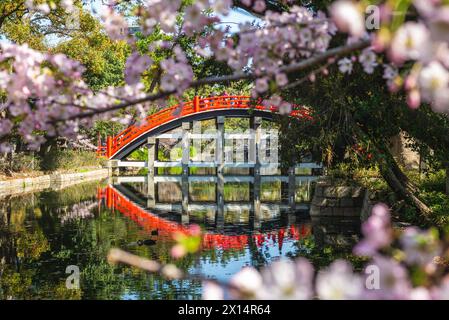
(18, 162)
(58, 159)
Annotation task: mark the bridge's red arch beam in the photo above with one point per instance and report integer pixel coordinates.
(168, 228)
(197, 105)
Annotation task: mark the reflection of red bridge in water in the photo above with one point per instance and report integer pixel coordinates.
(167, 228)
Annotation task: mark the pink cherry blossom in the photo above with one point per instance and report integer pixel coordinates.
(414, 99)
(212, 291)
(433, 78)
(426, 7)
(249, 281)
(410, 42)
(368, 59)
(376, 231)
(439, 24)
(348, 17)
(393, 282)
(442, 291)
(259, 6)
(345, 65)
(420, 293)
(136, 64)
(338, 282)
(286, 279)
(178, 251)
(115, 24)
(262, 85)
(281, 79)
(420, 247)
(441, 101)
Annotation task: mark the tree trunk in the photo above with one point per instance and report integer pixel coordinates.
(396, 179)
(404, 191)
(396, 170)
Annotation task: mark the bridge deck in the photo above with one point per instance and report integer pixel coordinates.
(209, 164)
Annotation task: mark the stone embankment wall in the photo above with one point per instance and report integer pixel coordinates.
(332, 200)
(53, 181)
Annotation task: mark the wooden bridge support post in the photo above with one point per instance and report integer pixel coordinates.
(254, 149)
(219, 158)
(185, 171)
(114, 170)
(151, 192)
(292, 188)
(108, 147)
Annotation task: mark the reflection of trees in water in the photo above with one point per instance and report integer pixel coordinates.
(36, 247)
(270, 191)
(22, 245)
(236, 191)
(170, 192)
(332, 238)
(237, 216)
(339, 232)
(202, 191)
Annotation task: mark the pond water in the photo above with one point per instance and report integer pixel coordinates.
(43, 233)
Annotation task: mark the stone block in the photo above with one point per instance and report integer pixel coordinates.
(325, 202)
(330, 202)
(330, 192)
(358, 192)
(337, 192)
(318, 201)
(326, 211)
(346, 202)
(314, 210)
(319, 191)
(338, 212)
(351, 212)
(358, 202)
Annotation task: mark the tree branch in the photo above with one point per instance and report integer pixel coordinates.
(294, 67)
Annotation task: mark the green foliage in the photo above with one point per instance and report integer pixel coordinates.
(432, 190)
(69, 160)
(103, 59)
(139, 154)
(231, 194)
(17, 24)
(434, 181)
(18, 162)
(439, 203)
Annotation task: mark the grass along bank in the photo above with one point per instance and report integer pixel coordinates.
(26, 165)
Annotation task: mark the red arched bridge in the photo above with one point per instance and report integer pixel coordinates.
(255, 150)
(124, 143)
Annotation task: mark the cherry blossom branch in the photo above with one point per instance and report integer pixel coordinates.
(294, 67)
(305, 78)
(283, 25)
(169, 271)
